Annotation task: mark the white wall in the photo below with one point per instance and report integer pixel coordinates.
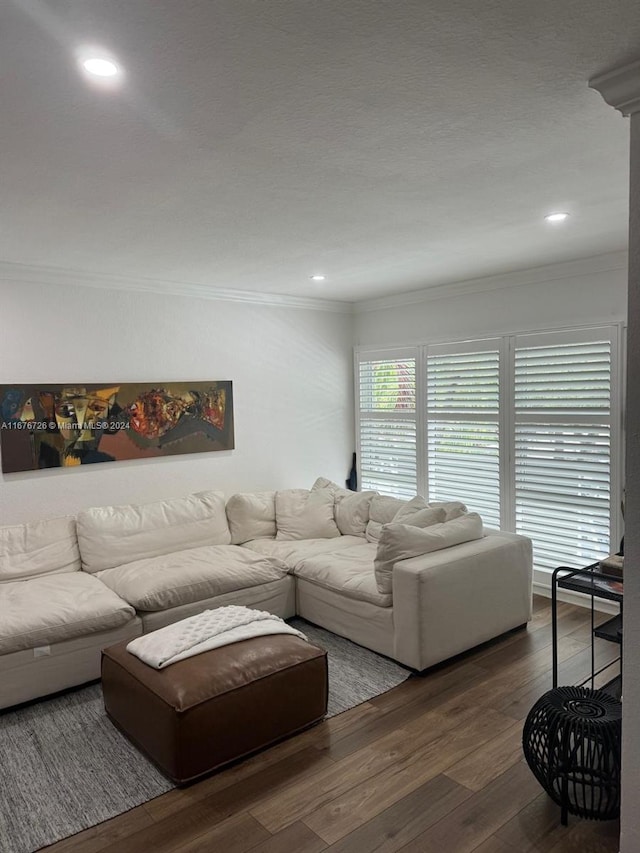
(292, 382)
(291, 368)
(571, 294)
(630, 824)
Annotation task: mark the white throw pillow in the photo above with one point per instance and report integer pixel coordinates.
(454, 508)
(324, 483)
(305, 514)
(382, 511)
(424, 517)
(352, 512)
(351, 509)
(251, 515)
(401, 541)
(415, 510)
(409, 507)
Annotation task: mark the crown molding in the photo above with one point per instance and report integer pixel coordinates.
(536, 275)
(15, 273)
(59, 277)
(620, 88)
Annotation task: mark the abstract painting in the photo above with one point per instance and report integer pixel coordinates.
(61, 426)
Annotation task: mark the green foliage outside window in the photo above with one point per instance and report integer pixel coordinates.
(394, 386)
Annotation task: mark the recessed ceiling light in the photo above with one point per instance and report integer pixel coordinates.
(318, 278)
(556, 217)
(100, 67)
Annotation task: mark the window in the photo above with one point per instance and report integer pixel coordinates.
(524, 428)
(563, 446)
(387, 416)
(463, 426)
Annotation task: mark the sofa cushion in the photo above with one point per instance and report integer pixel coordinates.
(305, 514)
(50, 609)
(180, 578)
(251, 516)
(418, 513)
(325, 483)
(422, 517)
(351, 509)
(290, 552)
(454, 509)
(38, 548)
(352, 512)
(349, 571)
(111, 536)
(381, 511)
(401, 541)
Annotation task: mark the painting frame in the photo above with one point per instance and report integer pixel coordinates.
(62, 425)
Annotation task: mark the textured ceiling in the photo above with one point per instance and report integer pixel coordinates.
(390, 144)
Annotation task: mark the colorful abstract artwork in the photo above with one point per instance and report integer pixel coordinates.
(60, 426)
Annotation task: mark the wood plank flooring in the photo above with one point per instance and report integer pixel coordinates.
(433, 766)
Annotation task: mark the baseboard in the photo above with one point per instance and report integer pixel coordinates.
(542, 586)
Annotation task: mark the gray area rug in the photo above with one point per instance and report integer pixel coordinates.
(355, 674)
(65, 767)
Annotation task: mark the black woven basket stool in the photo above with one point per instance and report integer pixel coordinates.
(571, 741)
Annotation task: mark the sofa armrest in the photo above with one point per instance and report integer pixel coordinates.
(451, 600)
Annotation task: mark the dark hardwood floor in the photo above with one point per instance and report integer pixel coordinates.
(433, 766)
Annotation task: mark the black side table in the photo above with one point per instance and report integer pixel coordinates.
(598, 585)
(571, 741)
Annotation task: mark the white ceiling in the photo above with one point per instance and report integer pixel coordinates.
(390, 144)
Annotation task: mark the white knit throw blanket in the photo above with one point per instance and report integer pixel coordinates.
(208, 630)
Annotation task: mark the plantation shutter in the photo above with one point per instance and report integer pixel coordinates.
(563, 445)
(463, 426)
(387, 422)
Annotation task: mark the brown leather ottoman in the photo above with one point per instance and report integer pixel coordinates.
(213, 708)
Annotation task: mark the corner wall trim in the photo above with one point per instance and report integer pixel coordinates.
(620, 88)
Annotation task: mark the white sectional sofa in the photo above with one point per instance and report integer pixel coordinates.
(415, 582)
(54, 618)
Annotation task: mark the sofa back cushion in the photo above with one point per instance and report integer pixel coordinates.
(111, 536)
(251, 516)
(401, 541)
(305, 514)
(350, 509)
(38, 548)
